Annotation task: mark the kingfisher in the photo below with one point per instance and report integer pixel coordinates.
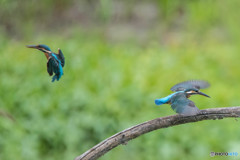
(179, 99)
(55, 61)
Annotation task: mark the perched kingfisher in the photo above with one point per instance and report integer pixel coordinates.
(55, 62)
(179, 99)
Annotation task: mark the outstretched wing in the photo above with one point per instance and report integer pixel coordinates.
(197, 84)
(182, 105)
(61, 57)
(52, 64)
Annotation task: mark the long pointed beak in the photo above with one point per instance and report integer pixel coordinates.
(203, 94)
(32, 46)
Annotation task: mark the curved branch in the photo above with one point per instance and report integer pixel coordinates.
(163, 122)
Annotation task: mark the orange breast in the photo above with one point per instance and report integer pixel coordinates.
(46, 55)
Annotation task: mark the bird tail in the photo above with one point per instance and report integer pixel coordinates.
(55, 77)
(159, 102)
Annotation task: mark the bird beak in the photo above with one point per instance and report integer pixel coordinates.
(203, 94)
(32, 46)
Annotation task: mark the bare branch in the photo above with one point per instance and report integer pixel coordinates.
(163, 122)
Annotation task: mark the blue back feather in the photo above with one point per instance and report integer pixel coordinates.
(59, 73)
(165, 99)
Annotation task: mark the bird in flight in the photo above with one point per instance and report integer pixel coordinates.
(55, 61)
(179, 99)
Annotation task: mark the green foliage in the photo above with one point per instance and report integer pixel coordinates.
(110, 85)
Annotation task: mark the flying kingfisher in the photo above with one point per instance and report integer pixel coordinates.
(179, 99)
(55, 62)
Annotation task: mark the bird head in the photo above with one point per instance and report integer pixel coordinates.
(193, 91)
(42, 47)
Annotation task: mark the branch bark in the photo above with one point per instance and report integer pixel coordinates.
(163, 122)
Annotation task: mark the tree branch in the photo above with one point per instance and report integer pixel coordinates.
(163, 122)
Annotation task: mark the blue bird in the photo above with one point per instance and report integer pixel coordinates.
(55, 61)
(179, 99)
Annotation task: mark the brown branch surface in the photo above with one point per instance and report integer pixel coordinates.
(163, 122)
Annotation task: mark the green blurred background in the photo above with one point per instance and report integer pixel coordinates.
(120, 56)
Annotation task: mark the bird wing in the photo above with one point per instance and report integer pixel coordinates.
(61, 57)
(182, 105)
(52, 64)
(197, 84)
